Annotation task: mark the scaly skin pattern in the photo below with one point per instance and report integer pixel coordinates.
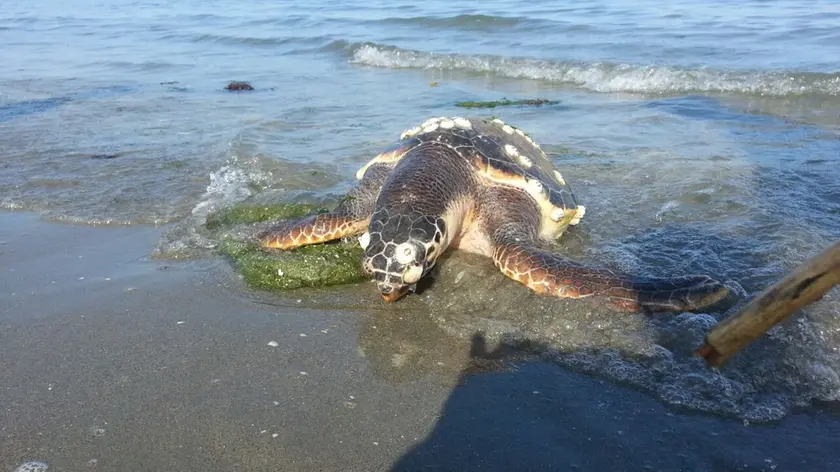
(416, 215)
(349, 218)
(512, 218)
(313, 229)
(550, 274)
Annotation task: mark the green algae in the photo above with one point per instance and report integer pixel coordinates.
(319, 265)
(250, 213)
(173, 165)
(506, 102)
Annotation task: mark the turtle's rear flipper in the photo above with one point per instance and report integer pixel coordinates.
(551, 274)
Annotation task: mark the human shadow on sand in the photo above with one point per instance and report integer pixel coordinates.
(530, 415)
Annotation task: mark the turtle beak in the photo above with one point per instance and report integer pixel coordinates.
(391, 294)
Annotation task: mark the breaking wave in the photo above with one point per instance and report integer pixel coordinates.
(236, 180)
(602, 76)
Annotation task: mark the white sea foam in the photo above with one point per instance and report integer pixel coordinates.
(233, 182)
(32, 466)
(604, 76)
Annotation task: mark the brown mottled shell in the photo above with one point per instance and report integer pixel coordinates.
(499, 152)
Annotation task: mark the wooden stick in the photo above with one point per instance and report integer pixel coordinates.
(807, 284)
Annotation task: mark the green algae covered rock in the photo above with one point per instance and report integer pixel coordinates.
(250, 213)
(319, 265)
(505, 102)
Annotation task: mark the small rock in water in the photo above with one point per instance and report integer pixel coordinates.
(32, 466)
(237, 86)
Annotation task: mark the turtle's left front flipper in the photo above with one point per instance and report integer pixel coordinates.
(349, 218)
(312, 229)
(547, 273)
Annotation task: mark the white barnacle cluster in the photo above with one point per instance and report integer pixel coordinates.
(536, 187)
(581, 210)
(447, 123)
(532, 142)
(522, 159)
(511, 150)
(462, 123)
(410, 132)
(558, 214)
(511, 130)
(525, 161)
(432, 124)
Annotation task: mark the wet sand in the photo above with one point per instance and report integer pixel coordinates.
(113, 361)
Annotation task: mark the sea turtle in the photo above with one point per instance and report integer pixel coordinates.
(482, 186)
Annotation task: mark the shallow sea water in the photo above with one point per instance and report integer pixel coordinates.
(702, 138)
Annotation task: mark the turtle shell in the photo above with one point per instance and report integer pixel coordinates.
(502, 153)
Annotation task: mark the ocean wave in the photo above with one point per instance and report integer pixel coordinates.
(470, 22)
(601, 76)
(234, 181)
(237, 40)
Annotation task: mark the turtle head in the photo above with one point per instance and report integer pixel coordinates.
(400, 248)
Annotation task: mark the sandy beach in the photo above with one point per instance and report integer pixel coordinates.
(114, 361)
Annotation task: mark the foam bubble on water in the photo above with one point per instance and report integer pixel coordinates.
(32, 466)
(233, 182)
(603, 76)
(793, 365)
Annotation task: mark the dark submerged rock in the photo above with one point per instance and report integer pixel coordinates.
(238, 86)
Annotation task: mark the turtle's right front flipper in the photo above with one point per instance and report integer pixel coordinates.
(547, 273)
(349, 218)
